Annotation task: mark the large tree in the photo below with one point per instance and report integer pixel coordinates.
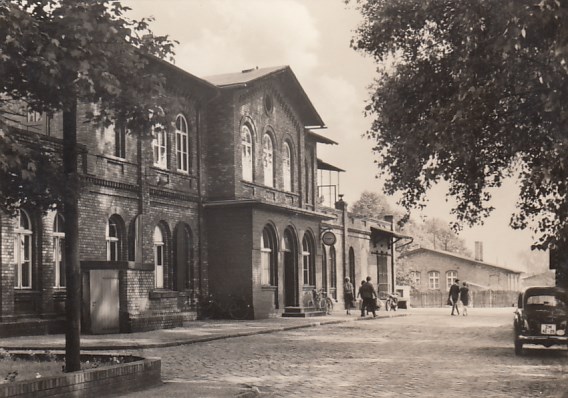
(472, 92)
(54, 55)
(372, 204)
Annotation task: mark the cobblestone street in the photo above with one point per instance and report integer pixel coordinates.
(428, 353)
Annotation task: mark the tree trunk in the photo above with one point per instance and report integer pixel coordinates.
(72, 269)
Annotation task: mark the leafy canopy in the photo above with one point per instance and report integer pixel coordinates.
(472, 92)
(54, 53)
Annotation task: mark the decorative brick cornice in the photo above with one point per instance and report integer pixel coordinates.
(111, 184)
(173, 195)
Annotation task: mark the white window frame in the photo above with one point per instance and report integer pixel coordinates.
(268, 160)
(415, 275)
(265, 259)
(247, 158)
(287, 167)
(182, 144)
(159, 253)
(120, 142)
(112, 240)
(160, 148)
(58, 250)
(307, 262)
(451, 276)
(23, 245)
(433, 280)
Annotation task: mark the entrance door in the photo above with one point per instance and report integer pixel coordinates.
(289, 280)
(290, 271)
(104, 301)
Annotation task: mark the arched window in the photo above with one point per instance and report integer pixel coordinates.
(182, 144)
(268, 253)
(268, 160)
(287, 167)
(159, 253)
(352, 265)
(160, 147)
(433, 280)
(58, 250)
(23, 243)
(333, 271)
(308, 256)
(247, 151)
(112, 240)
(451, 276)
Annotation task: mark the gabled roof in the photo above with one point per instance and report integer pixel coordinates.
(457, 257)
(184, 79)
(247, 77)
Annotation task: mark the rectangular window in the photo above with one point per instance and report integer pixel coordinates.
(120, 142)
(182, 151)
(265, 266)
(59, 261)
(160, 150)
(434, 280)
(306, 264)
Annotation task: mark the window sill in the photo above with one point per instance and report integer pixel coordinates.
(158, 294)
(268, 287)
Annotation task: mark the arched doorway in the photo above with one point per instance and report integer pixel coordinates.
(290, 249)
(182, 273)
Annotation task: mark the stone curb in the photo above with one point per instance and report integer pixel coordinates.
(137, 346)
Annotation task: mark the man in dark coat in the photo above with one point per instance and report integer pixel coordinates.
(368, 294)
(454, 296)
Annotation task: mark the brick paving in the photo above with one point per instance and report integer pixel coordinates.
(427, 354)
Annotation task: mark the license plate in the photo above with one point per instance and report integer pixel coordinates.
(546, 328)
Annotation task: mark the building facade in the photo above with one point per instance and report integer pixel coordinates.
(436, 270)
(224, 202)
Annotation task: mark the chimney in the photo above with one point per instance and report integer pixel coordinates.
(478, 251)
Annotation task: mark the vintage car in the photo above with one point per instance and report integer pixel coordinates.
(541, 317)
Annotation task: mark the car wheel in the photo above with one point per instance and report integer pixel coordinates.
(518, 347)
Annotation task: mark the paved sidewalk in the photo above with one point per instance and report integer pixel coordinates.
(194, 332)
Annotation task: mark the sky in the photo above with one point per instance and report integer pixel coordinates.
(313, 37)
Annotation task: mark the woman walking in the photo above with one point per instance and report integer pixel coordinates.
(348, 295)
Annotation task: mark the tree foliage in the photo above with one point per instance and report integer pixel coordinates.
(373, 205)
(435, 234)
(55, 53)
(472, 92)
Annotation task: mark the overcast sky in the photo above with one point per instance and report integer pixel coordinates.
(312, 36)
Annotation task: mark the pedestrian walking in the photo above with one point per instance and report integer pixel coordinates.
(454, 296)
(369, 295)
(464, 298)
(348, 295)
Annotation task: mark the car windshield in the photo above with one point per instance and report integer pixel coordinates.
(548, 300)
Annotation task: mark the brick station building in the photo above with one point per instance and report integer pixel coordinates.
(225, 202)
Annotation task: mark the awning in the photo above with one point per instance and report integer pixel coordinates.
(320, 138)
(397, 236)
(326, 166)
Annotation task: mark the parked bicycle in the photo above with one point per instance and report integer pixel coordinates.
(391, 303)
(236, 308)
